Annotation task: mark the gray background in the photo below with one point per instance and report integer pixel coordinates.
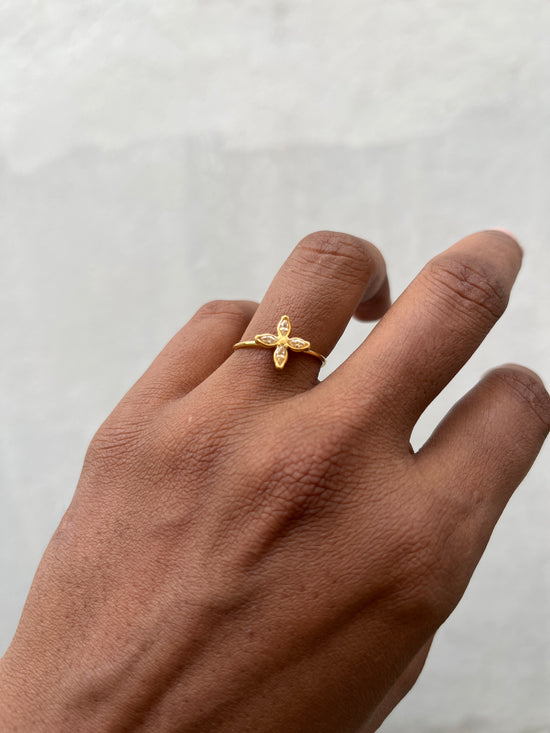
(157, 155)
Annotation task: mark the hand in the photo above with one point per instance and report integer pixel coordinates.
(254, 550)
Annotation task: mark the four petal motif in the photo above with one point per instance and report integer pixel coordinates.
(282, 342)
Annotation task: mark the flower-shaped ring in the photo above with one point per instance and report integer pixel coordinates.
(281, 343)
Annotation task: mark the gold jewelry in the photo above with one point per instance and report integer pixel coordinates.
(281, 343)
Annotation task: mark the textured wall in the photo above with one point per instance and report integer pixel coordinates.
(156, 155)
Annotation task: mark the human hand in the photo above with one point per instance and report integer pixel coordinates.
(252, 550)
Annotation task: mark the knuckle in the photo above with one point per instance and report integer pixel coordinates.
(528, 388)
(423, 599)
(333, 254)
(117, 443)
(304, 487)
(193, 442)
(168, 443)
(300, 477)
(467, 284)
(424, 586)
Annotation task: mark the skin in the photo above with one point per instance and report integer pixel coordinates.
(255, 550)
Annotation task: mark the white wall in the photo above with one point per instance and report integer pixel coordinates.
(156, 155)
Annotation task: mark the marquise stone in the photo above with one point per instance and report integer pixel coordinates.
(267, 339)
(280, 356)
(284, 326)
(298, 344)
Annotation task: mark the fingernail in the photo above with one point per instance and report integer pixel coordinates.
(374, 286)
(509, 235)
(506, 231)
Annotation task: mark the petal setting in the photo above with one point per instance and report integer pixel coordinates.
(283, 327)
(266, 339)
(280, 356)
(282, 342)
(298, 344)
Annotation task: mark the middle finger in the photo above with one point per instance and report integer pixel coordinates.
(321, 284)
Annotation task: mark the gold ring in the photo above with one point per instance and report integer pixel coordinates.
(281, 343)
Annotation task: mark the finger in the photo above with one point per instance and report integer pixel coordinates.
(373, 307)
(433, 328)
(402, 687)
(478, 456)
(319, 287)
(196, 350)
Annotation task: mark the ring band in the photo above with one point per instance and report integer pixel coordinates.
(281, 344)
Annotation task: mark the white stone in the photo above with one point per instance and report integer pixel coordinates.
(284, 326)
(298, 343)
